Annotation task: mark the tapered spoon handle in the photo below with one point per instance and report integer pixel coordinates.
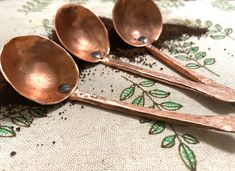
(174, 64)
(222, 123)
(219, 92)
(183, 69)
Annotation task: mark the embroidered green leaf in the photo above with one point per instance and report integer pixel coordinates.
(184, 37)
(37, 112)
(35, 6)
(218, 27)
(159, 93)
(212, 31)
(193, 50)
(188, 156)
(166, 4)
(157, 127)
(192, 66)
(190, 139)
(198, 21)
(171, 106)
(30, 4)
(147, 83)
(217, 37)
(48, 26)
(139, 101)
(168, 141)
(21, 121)
(228, 31)
(174, 51)
(127, 93)
(187, 44)
(183, 57)
(208, 24)
(189, 52)
(6, 131)
(209, 61)
(200, 55)
(223, 5)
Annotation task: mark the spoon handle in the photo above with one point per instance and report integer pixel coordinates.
(219, 92)
(222, 123)
(179, 67)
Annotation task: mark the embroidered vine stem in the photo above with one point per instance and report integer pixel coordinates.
(176, 134)
(223, 33)
(183, 50)
(144, 92)
(155, 103)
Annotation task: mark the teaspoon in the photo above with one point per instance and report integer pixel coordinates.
(42, 71)
(84, 35)
(139, 23)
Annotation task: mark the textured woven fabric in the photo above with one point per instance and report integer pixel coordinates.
(83, 137)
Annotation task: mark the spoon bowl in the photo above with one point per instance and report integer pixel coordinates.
(82, 33)
(32, 65)
(138, 22)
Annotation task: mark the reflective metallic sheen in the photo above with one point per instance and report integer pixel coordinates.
(83, 34)
(135, 18)
(36, 67)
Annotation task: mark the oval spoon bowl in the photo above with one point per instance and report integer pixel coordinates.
(136, 25)
(81, 32)
(32, 65)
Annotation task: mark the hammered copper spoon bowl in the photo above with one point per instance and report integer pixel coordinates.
(83, 34)
(139, 23)
(42, 71)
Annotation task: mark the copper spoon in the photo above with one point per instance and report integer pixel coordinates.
(139, 23)
(42, 71)
(83, 34)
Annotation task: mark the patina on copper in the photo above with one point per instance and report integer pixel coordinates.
(83, 34)
(43, 72)
(135, 20)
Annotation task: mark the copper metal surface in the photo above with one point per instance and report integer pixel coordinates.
(43, 72)
(36, 67)
(221, 123)
(81, 32)
(135, 18)
(84, 35)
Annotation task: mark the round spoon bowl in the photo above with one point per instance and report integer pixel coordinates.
(138, 22)
(39, 69)
(82, 33)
